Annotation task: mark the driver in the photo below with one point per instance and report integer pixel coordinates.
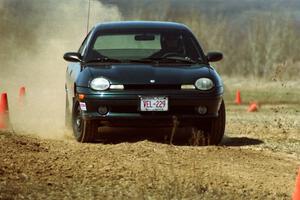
(171, 45)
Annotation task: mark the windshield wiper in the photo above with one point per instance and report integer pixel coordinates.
(165, 60)
(182, 59)
(146, 60)
(103, 60)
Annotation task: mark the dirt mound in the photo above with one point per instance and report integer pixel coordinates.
(37, 168)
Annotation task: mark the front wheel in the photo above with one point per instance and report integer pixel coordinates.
(217, 127)
(210, 132)
(84, 130)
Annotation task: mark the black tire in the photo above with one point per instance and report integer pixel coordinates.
(210, 132)
(84, 130)
(68, 115)
(217, 127)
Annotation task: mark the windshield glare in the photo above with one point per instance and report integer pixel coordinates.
(143, 45)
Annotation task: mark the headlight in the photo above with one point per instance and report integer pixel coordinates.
(204, 84)
(100, 84)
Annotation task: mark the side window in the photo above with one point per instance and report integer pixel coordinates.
(82, 47)
(84, 44)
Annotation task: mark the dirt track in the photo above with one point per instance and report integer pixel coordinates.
(258, 159)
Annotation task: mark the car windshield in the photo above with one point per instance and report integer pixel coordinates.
(144, 46)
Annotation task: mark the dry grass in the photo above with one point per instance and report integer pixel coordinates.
(262, 91)
(277, 122)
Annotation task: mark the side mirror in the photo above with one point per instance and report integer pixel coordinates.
(73, 57)
(214, 56)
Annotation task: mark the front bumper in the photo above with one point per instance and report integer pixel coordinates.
(124, 107)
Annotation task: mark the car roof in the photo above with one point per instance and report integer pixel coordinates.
(125, 25)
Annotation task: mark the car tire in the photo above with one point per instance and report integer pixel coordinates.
(209, 132)
(84, 130)
(217, 127)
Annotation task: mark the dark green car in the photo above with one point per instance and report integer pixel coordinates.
(143, 74)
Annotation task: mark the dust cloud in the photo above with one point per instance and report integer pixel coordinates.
(34, 35)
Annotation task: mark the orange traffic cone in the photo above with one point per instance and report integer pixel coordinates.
(238, 99)
(4, 114)
(22, 94)
(253, 107)
(296, 195)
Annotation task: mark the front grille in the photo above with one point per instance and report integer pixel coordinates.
(152, 87)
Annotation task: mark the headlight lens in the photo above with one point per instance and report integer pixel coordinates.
(204, 84)
(100, 84)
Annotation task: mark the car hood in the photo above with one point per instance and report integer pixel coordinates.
(145, 74)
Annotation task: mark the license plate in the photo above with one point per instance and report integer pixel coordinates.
(154, 104)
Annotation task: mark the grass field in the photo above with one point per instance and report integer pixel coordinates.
(262, 91)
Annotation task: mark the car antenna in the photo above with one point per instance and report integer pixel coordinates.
(88, 18)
